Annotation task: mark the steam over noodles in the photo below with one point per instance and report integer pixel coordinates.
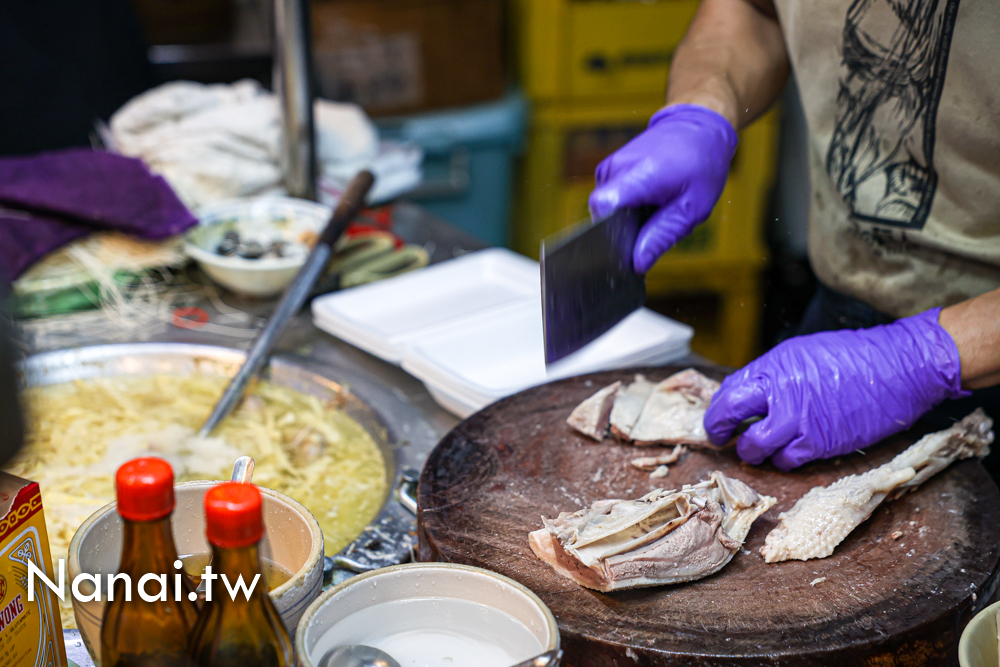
(304, 447)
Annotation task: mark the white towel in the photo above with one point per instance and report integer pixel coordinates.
(215, 142)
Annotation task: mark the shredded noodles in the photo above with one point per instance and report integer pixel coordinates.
(81, 432)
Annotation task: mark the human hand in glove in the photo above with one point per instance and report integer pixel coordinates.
(679, 165)
(831, 393)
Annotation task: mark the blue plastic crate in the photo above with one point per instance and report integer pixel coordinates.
(468, 164)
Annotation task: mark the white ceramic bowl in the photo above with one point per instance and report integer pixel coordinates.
(437, 587)
(265, 218)
(978, 645)
(292, 537)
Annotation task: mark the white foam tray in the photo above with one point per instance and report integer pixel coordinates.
(384, 317)
(471, 329)
(502, 352)
(460, 406)
(466, 405)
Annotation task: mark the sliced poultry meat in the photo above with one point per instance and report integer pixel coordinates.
(591, 417)
(671, 412)
(628, 406)
(665, 537)
(649, 463)
(674, 412)
(826, 515)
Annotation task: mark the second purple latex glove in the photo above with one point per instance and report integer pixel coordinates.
(832, 393)
(679, 165)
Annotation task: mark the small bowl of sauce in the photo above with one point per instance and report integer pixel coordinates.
(431, 615)
(255, 247)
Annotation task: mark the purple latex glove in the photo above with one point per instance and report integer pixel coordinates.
(678, 164)
(49, 199)
(831, 393)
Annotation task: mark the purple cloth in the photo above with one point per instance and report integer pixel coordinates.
(679, 165)
(832, 393)
(50, 199)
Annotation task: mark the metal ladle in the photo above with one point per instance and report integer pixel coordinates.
(242, 473)
(243, 470)
(357, 656)
(366, 656)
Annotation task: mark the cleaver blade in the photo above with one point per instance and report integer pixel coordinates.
(588, 284)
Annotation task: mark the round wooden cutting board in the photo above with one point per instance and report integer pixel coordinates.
(879, 601)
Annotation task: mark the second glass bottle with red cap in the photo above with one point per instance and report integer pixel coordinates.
(137, 632)
(238, 630)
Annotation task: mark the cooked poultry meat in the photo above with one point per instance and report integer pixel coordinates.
(660, 472)
(591, 417)
(692, 384)
(649, 463)
(822, 518)
(628, 406)
(665, 537)
(669, 413)
(674, 413)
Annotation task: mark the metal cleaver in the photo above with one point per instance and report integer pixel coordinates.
(588, 284)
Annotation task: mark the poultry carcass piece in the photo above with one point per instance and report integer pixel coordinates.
(665, 537)
(643, 413)
(822, 518)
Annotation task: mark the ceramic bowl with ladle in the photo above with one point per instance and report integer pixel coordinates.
(429, 613)
(292, 538)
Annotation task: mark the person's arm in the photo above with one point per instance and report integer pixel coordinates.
(730, 66)
(975, 327)
(732, 60)
(832, 393)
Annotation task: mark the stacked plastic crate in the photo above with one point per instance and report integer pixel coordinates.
(595, 71)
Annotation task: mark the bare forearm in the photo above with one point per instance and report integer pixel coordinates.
(732, 60)
(975, 327)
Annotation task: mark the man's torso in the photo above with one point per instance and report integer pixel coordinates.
(903, 103)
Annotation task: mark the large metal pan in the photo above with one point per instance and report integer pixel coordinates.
(390, 537)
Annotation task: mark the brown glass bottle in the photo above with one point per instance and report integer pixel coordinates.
(137, 632)
(238, 631)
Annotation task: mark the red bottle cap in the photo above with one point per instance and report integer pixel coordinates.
(233, 517)
(145, 489)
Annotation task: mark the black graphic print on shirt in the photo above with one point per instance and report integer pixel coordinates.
(895, 55)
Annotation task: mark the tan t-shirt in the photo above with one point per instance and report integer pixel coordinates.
(902, 98)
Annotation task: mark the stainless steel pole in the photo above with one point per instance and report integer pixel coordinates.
(292, 82)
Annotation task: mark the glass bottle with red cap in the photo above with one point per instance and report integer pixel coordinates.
(241, 630)
(150, 631)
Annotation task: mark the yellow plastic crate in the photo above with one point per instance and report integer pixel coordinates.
(556, 177)
(722, 300)
(597, 48)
